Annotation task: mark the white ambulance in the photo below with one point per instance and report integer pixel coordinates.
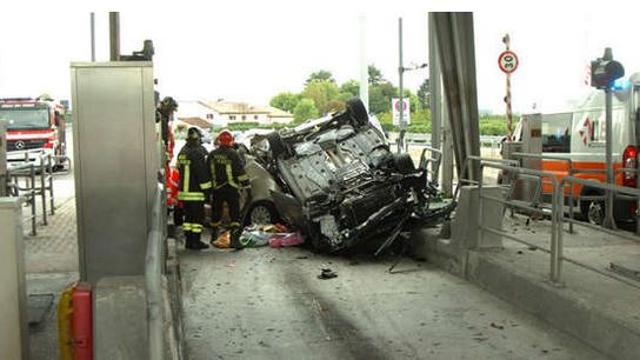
(580, 136)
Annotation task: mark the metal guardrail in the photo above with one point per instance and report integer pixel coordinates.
(27, 170)
(154, 269)
(572, 171)
(479, 159)
(558, 217)
(434, 161)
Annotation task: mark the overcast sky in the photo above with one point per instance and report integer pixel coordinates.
(250, 50)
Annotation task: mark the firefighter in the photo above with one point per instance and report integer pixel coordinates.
(195, 182)
(227, 175)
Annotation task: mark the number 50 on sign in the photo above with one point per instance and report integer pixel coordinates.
(508, 61)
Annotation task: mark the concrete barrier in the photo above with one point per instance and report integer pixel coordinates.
(14, 335)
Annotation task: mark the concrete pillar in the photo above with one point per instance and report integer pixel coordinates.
(14, 335)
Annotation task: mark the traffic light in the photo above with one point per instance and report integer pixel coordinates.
(605, 70)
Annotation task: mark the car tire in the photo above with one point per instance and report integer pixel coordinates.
(593, 211)
(277, 145)
(404, 164)
(357, 111)
(262, 213)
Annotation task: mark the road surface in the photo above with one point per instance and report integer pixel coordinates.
(269, 304)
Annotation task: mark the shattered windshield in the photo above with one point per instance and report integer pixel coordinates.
(25, 118)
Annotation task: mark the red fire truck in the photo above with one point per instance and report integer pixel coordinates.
(33, 124)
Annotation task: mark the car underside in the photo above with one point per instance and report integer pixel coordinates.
(339, 182)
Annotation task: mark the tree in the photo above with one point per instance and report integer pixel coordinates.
(424, 93)
(305, 110)
(350, 87)
(320, 75)
(286, 101)
(375, 75)
(380, 97)
(322, 92)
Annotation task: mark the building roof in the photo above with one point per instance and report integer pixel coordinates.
(278, 113)
(196, 121)
(243, 108)
(228, 107)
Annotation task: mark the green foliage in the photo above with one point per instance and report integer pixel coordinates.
(306, 109)
(375, 75)
(420, 121)
(350, 88)
(380, 97)
(325, 95)
(494, 124)
(286, 101)
(423, 94)
(321, 75)
(244, 126)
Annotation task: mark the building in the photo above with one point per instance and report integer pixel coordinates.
(222, 113)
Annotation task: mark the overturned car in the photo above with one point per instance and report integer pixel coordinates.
(336, 179)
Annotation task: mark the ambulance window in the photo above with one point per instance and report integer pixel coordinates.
(556, 135)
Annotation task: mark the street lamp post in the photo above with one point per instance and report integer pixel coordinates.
(401, 71)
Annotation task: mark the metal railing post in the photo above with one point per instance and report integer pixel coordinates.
(554, 274)
(50, 165)
(43, 192)
(32, 194)
(153, 278)
(480, 205)
(559, 188)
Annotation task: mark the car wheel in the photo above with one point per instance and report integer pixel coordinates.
(592, 211)
(262, 213)
(357, 111)
(595, 212)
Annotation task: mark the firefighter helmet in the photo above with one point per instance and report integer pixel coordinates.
(194, 133)
(225, 138)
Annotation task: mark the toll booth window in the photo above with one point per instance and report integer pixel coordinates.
(556, 136)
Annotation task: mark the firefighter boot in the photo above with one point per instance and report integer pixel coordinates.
(188, 240)
(197, 244)
(235, 238)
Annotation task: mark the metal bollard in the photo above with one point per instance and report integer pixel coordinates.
(32, 181)
(43, 192)
(50, 165)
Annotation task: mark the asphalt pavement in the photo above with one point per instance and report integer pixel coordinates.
(270, 304)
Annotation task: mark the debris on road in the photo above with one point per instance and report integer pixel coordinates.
(497, 326)
(327, 274)
(284, 240)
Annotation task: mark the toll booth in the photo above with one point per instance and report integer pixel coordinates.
(527, 139)
(117, 159)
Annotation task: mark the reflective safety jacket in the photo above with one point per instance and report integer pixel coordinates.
(173, 185)
(226, 167)
(194, 177)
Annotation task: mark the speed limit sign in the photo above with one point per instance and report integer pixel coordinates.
(508, 61)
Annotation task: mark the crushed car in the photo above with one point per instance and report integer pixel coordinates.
(336, 179)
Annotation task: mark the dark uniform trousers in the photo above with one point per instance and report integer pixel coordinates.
(230, 195)
(227, 175)
(193, 218)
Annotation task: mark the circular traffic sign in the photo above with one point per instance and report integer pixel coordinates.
(508, 61)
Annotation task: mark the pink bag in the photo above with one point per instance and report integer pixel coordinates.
(282, 240)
